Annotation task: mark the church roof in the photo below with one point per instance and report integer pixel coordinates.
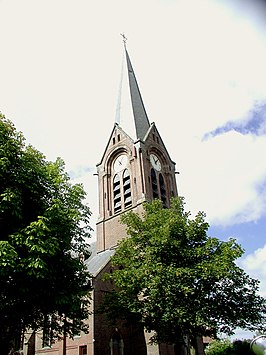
(98, 261)
(131, 115)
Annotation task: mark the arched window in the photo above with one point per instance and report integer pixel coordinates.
(116, 344)
(154, 184)
(117, 194)
(162, 191)
(127, 189)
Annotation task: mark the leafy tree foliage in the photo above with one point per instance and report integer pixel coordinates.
(179, 282)
(44, 224)
(226, 347)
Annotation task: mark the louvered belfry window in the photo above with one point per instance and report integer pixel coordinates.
(127, 189)
(122, 191)
(162, 190)
(117, 193)
(154, 184)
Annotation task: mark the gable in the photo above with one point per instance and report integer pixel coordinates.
(118, 138)
(153, 139)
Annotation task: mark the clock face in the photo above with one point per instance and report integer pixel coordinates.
(120, 162)
(155, 162)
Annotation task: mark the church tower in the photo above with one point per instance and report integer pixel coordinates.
(135, 166)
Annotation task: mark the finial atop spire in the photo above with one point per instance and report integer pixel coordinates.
(124, 38)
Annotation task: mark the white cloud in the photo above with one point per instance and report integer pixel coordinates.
(224, 176)
(255, 265)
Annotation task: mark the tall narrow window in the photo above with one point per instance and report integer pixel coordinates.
(162, 190)
(154, 184)
(116, 344)
(117, 194)
(47, 336)
(127, 189)
(75, 330)
(83, 350)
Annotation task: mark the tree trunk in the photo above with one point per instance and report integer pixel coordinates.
(199, 346)
(4, 349)
(64, 345)
(64, 338)
(180, 349)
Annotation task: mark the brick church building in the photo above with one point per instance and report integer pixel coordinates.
(135, 167)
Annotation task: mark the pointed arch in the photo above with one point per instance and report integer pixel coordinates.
(116, 344)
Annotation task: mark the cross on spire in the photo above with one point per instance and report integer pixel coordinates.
(124, 38)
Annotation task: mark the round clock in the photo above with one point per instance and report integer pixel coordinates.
(155, 162)
(120, 162)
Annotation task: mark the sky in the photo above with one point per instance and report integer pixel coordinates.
(200, 65)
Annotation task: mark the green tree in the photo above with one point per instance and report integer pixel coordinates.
(44, 225)
(177, 281)
(226, 347)
(220, 347)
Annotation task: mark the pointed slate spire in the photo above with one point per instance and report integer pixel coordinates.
(131, 114)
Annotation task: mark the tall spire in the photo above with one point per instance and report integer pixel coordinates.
(131, 114)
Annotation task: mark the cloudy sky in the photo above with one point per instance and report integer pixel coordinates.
(200, 65)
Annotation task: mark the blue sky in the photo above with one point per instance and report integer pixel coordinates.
(200, 65)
